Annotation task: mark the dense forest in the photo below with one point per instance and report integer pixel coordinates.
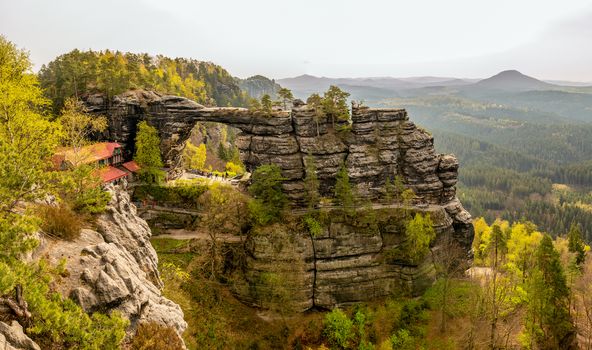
(112, 72)
(517, 161)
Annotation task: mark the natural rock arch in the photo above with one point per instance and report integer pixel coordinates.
(378, 145)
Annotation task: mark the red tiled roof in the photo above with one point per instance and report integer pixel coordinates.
(110, 173)
(88, 154)
(131, 166)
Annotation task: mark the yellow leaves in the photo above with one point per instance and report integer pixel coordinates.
(235, 169)
(195, 156)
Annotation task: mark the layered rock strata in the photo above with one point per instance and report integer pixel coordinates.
(347, 263)
(352, 260)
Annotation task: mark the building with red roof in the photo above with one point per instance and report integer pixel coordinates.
(108, 156)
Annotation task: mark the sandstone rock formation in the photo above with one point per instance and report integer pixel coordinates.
(351, 261)
(347, 263)
(115, 268)
(12, 337)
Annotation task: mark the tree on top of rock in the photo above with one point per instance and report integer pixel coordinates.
(266, 104)
(286, 96)
(316, 102)
(335, 104)
(148, 153)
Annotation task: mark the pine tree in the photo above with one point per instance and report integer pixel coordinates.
(316, 102)
(344, 195)
(576, 244)
(335, 104)
(548, 320)
(311, 183)
(266, 104)
(270, 200)
(286, 96)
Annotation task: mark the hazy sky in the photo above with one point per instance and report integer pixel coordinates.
(547, 39)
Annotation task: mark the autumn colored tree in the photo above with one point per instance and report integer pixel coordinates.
(28, 139)
(195, 156)
(148, 153)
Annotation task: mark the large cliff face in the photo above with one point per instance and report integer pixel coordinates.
(114, 268)
(347, 262)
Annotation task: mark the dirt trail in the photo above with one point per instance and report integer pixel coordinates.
(183, 234)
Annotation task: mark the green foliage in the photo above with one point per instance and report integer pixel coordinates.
(576, 244)
(80, 187)
(335, 104)
(269, 200)
(311, 183)
(78, 73)
(178, 194)
(314, 227)
(148, 153)
(57, 320)
(548, 321)
(419, 233)
(286, 95)
(27, 141)
(60, 222)
(77, 126)
(339, 329)
(316, 102)
(403, 340)
(344, 195)
(153, 336)
(266, 104)
(92, 201)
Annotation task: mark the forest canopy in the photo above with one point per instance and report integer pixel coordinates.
(77, 73)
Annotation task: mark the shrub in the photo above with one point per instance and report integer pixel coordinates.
(92, 201)
(269, 199)
(60, 222)
(420, 233)
(236, 169)
(313, 225)
(153, 336)
(338, 329)
(57, 322)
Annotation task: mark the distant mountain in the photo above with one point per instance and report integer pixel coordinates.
(512, 80)
(370, 88)
(570, 83)
(258, 85)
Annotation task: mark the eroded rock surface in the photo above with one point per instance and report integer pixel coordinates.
(345, 264)
(115, 268)
(12, 337)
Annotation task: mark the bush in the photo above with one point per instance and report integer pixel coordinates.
(315, 228)
(57, 322)
(60, 222)
(153, 336)
(92, 201)
(182, 194)
(338, 329)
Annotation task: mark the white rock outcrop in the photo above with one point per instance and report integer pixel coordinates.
(115, 268)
